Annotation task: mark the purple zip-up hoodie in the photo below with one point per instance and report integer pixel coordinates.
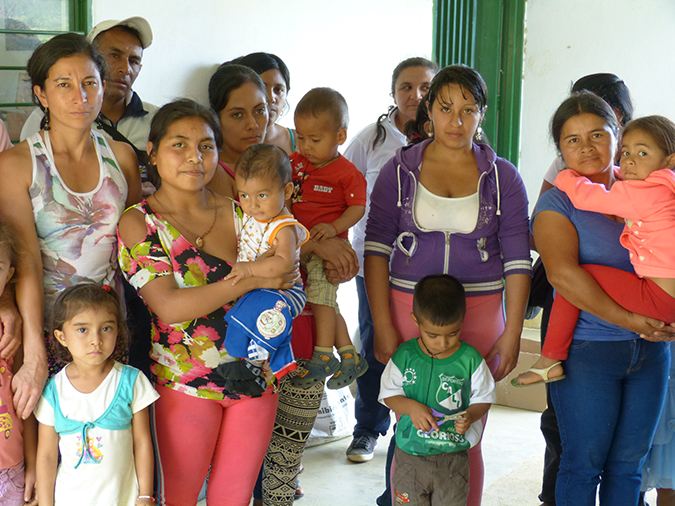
(498, 246)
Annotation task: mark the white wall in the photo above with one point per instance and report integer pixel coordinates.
(337, 44)
(568, 39)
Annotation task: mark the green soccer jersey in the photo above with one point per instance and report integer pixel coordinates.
(447, 385)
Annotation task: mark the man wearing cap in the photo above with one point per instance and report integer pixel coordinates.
(124, 116)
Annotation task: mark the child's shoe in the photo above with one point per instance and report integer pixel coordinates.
(320, 366)
(352, 366)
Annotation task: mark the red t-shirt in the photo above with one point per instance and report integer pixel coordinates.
(322, 195)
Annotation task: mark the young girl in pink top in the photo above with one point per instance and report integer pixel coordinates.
(18, 438)
(645, 198)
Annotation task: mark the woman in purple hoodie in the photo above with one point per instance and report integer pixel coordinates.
(450, 205)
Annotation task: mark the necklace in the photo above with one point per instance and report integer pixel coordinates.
(199, 241)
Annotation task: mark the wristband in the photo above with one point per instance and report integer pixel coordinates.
(337, 232)
(145, 497)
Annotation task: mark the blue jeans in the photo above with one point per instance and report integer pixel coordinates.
(372, 417)
(608, 407)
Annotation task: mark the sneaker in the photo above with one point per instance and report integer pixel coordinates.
(361, 449)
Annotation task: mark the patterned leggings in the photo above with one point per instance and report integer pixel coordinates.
(296, 412)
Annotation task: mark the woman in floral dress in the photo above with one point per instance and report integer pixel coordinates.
(176, 248)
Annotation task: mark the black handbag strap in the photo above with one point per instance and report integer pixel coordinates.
(116, 135)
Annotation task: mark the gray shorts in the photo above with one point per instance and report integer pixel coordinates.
(433, 480)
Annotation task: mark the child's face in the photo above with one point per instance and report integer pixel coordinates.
(640, 156)
(90, 336)
(318, 140)
(439, 340)
(6, 269)
(263, 198)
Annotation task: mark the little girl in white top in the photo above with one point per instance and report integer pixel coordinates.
(94, 412)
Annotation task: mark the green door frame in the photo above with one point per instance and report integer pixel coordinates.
(487, 35)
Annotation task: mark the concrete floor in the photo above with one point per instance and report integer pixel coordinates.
(513, 451)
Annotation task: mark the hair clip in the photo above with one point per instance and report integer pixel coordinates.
(106, 288)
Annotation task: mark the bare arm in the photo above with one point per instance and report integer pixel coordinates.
(126, 157)
(16, 208)
(558, 245)
(508, 344)
(47, 462)
(419, 414)
(340, 261)
(10, 324)
(387, 338)
(30, 456)
(144, 457)
(349, 218)
(174, 304)
(281, 262)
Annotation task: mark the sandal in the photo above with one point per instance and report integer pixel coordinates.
(540, 372)
(298, 491)
(350, 369)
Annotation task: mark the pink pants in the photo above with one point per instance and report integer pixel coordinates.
(483, 324)
(192, 433)
(635, 294)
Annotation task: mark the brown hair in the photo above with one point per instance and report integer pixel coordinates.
(320, 101)
(264, 161)
(77, 298)
(659, 128)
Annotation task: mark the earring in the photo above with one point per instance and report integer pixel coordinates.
(46, 120)
(430, 133)
(479, 134)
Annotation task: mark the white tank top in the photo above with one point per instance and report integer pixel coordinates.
(458, 215)
(76, 231)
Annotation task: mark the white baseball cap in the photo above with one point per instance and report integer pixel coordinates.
(137, 22)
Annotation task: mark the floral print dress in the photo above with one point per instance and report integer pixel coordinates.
(185, 355)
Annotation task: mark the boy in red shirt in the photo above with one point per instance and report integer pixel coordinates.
(329, 198)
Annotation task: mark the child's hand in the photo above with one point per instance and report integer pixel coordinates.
(463, 423)
(421, 417)
(239, 271)
(30, 493)
(322, 231)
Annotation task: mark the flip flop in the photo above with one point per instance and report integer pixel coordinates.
(540, 372)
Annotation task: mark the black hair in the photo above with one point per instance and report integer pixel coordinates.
(418, 129)
(81, 297)
(169, 114)
(228, 78)
(318, 101)
(659, 128)
(583, 102)
(611, 89)
(439, 299)
(264, 161)
(381, 133)
(10, 244)
(467, 79)
(262, 62)
(48, 53)
(125, 28)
